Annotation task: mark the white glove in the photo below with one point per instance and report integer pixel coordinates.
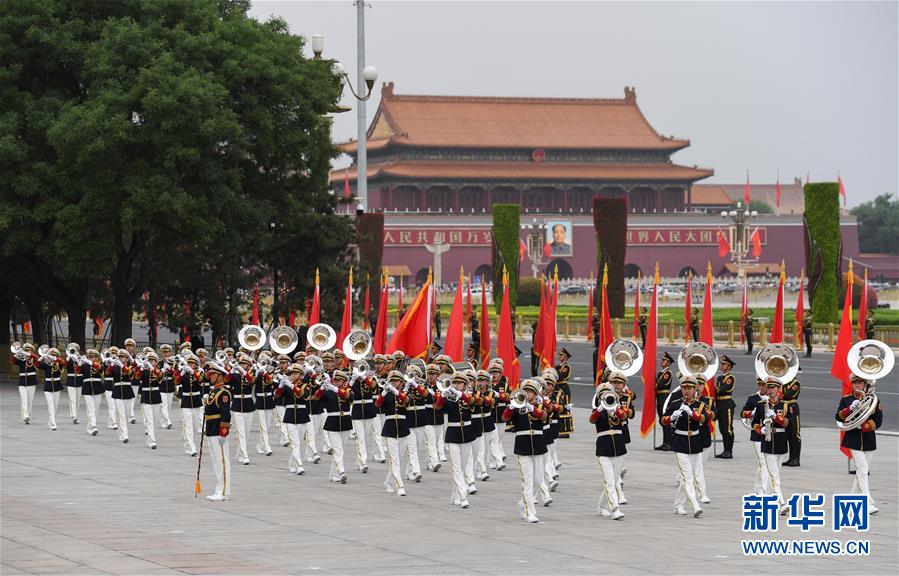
(686, 409)
(769, 413)
(85, 361)
(393, 389)
(854, 404)
(610, 409)
(284, 382)
(763, 398)
(569, 407)
(765, 430)
(205, 398)
(530, 408)
(185, 371)
(675, 416)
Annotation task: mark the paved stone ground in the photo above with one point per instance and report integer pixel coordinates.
(74, 504)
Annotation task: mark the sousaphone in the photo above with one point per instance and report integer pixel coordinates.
(283, 339)
(321, 337)
(695, 359)
(870, 360)
(251, 337)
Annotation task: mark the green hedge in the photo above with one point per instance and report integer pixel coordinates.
(610, 222)
(506, 224)
(370, 239)
(823, 249)
(529, 292)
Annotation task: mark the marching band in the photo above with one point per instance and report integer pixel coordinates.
(405, 411)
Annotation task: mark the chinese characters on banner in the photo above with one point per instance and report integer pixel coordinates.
(668, 236)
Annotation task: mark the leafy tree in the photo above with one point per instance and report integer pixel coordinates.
(145, 138)
(878, 224)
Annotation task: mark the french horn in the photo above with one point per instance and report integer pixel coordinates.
(357, 345)
(283, 339)
(251, 337)
(624, 356)
(778, 362)
(870, 360)
(321, 337)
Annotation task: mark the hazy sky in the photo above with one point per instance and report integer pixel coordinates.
(765, 86)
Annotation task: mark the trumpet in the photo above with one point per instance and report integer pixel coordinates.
(283, 339)
(605, 398)
(519, 401)
(870, 360)
(251, 337)
(446, 389)
(321, 337)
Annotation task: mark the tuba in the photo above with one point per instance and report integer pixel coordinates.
(624, 356)
(871, 360)
(251, 337)
(519, 400)
(357, 345)
(321, 337)
(778, 362)
(283, 339)
(605, 397)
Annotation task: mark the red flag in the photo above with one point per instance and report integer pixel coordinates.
(756, 240)
(637, 308)
(777, 329)
(547, 250)
(590, 309)
(505, 338)
(367, 305)
(839, 368)
(346, 325)
(538, 330)
(346, 185)
(380, 340)
(292, 318)
(606, 336)
(522, 250)
(485, 326)
(413, 335)
(549, 339)
(399, 299)
(315, 316)
(26, 327)
(452, 347)
(706, 332)
(256, 305)
(744, 306)
(723, 245)
(747, 195)
(863, 309)
(648, 417)
(467, 305)
(688, 307)
(842, 188)
(777, 190)
(800, 308)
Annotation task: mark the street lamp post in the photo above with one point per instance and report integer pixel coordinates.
(536, 235)
(738, 232)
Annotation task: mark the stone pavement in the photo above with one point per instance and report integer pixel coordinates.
(75, 504)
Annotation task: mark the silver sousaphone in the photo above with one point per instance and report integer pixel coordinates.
(624, 356)
(357, 345)
(695, 359)
(321, 337)
(251, 337)
(283, 339)
(871, 360)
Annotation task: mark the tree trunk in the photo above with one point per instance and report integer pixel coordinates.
(36, 317)
(77, 318)
(122, 310)
(6, 315)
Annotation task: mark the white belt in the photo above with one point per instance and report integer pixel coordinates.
(415, 408)
(52, 379)
(297, 406)
(243, 396)
(28, 374)
(395, 416)
(456, 424)
(608, 432)
(263, 394)
(429, 406)
(529, 433)
(779, 430)
(687, 432)
(476, 415)
(151, 389)
(190, 393)
(91, 379)
(369, 401)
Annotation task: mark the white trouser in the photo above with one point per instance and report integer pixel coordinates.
(295, 434)
(366, 432)
(772, 463)
(549, 470)
(428, 436)
(191, 424)
(309, 438)
(761, 473)
(74, 394)
(242, 422)
(282, 427)
(110, 409)
(619, 485)
(686, 489)
(218, 453)
(699, 477)
(166, 409)
(529, 467)
(265, 419)
(378, 427)
(495, 448)
(478, 449)
(395, 447)
(554, 452)
(91, 405)
(862, 469)
(500, 434)
(52, 403)
(413, 466)
(321, 439)
(121, 415)
(468, 466)
(151, 415)
(458, 454)
(608, 468)
(440, 432)
(132, 402)
(26, 398)
(338, 441)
